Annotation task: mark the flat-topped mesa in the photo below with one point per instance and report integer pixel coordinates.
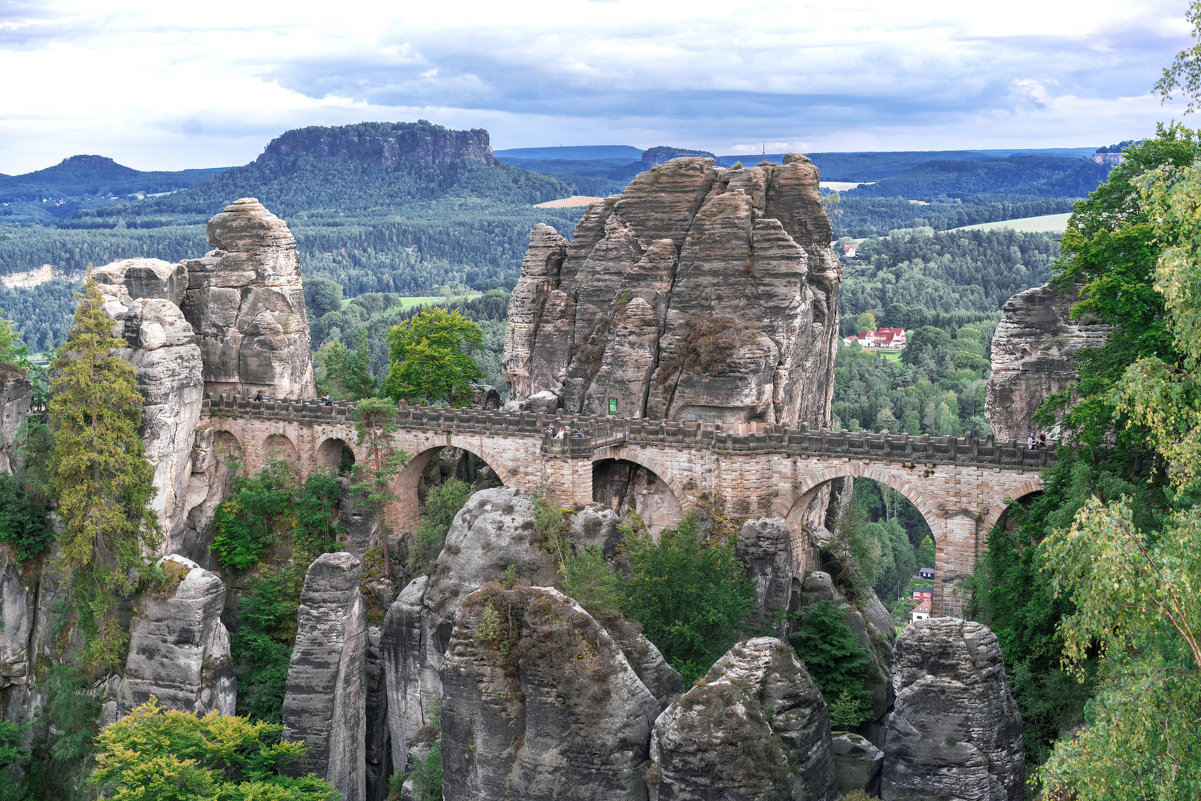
(698, 293)
(245, 301)
(386, 144)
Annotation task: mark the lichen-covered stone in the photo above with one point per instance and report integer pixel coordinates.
(697, 293)
(1034, 352)
(764, 546)
(857, 764)
(245, 301)
(755, 727)
(16, 396)
(955, 733)
(178, 646)
(18, 604)
(326, 695)
(540, 703)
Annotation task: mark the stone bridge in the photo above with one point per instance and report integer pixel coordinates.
(961, 486)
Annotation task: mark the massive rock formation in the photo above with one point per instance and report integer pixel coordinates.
(492, 533)
(697, 293)
(142, 295)
(955, 733)
(178, 646)
(755, 727)
(1034, 355)
(18, 604)
(325, 700)
(246, 303)
(386, 144)
(764, 546)
(540, 703)
(16, 396)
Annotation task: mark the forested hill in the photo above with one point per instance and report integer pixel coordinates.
(1038, 176)
(83, 181)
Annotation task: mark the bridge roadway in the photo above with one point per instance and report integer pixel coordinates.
(961, 486)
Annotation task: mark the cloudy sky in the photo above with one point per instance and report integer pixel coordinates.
(170, 85)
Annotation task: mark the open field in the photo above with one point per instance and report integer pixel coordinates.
(409, 301)
(1047, 223)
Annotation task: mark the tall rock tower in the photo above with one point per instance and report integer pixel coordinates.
(245, 301)
(699, 293)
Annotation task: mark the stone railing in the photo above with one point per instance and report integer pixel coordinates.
(583, 436)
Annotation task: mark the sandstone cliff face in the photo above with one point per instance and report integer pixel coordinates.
(755, 727)
(540, 703)
(325, 700)
(1034, 355)
(764, 546)
(142, 296)
(955, 732)
(16, 395)
(698, 292)
(178, 646)
(246, 304)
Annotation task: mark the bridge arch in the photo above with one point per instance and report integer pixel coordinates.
(615, 476)
(403, 512)
(335, 453)
(281, 446)
(998, 509)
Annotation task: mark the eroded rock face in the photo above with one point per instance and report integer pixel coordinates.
(857, 764)
(1034, 355)
(161, 346)
(178, 646)
(764, 546)
(698, 292)
(325, 700)
(245, 301)
(755, 727)
(955, 732)
(18, 606)
(540, 705)
(16, 395)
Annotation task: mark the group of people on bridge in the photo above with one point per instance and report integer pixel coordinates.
(1036, 443)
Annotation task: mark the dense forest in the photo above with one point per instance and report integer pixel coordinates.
(1037, 176)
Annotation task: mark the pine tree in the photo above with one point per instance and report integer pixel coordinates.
(99, 475)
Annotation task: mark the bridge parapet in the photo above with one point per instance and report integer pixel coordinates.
(606, 432)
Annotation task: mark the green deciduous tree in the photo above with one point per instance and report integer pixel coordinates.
(691, 596)
(153, 754)
(99, 475)
(430, 359)
(442, 503)
(345, 373)
(866, 322)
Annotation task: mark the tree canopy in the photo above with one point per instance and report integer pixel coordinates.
(430, 359)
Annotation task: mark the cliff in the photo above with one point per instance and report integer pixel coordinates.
(698, 293)
(1034, 352)
(386, 144)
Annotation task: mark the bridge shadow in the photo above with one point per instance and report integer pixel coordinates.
(625, 485)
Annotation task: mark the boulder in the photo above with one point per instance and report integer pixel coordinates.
(540, 703)
(698, 293)
(755, 727)
(764, 546)
(245, 301)
(178, 646)
(955, 733)
(1034, 352)
(326, 695)
(857, 764)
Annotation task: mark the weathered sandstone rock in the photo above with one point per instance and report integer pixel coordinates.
(161, 346)
(698, 292)
(178, 646)
(857, 764)
(16, 396)
(1034, 354)
(18, 607)
(388, 145)
(764, 546)
(540, 703)
(325, 701)
(955, 732)
(245, 301)
(755, 727)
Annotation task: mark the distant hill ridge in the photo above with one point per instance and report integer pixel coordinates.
(385, 144)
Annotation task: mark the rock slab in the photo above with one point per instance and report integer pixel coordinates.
(755, 727)
(178, 646)
(326, 696)
(955, 733)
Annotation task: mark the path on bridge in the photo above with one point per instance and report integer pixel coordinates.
(961, 486)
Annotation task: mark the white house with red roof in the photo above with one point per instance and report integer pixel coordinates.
(883, 338)
(921, 611)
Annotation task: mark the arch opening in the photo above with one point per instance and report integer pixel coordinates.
(871, 536)
(336, 455)
(280, 447)
(426, 472)
(626, 485)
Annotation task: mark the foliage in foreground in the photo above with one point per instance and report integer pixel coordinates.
(691, 596)
(836, 662)
(442, 503)
(153, 754)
